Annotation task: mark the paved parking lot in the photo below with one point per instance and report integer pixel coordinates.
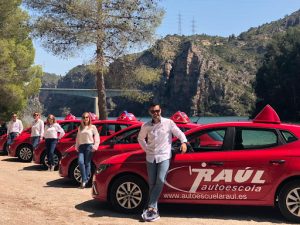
(31, 195)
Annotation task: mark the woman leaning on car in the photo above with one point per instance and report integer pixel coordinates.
(53, 132)
(37, 130)
(87, 141)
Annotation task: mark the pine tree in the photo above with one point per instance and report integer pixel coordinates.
(110, 26)
(19, 79)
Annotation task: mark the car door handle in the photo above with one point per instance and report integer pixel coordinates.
(215, 163)
(276, 162)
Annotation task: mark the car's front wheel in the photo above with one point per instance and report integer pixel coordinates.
(128, 194)
(25, 153)
(289, 201)
(75, 174)
(56, 158)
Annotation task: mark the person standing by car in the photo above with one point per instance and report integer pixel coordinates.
(37, 130)
(87, 141)
(155, 138)
(53, 132)
(14, 128)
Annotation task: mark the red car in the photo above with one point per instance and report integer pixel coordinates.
(123, 141)
(105, 127)
(22, 147)
(255, 163)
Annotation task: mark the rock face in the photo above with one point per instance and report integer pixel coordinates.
(201, 83)
(200, 75)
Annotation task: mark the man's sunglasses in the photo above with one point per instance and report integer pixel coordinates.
(155, 111)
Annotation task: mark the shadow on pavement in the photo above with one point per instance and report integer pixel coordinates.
(239, 213)
(12, 160)
(100, 209)
(35, 168)
(61, 183)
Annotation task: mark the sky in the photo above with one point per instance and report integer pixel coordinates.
(212, 17)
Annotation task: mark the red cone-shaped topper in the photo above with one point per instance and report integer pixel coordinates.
(267, 115)
(93, 116)
(70, 116)
(180, 117)
(126, 116)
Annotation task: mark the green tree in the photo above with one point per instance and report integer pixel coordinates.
(278, 79)
(19, 79)
(110, 26)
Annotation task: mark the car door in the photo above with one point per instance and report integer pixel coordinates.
(123, 142)
(192, 176)
(67, 141)
(254, 166)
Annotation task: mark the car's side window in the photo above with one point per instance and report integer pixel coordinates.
(109, 129)
(288, 136)
(129, 137)
(66, 127)
(255, 138)
(207, 140)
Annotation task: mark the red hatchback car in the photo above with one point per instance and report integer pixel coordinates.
(22, 147)
(121, 142)
(255, 163)
(105, 127)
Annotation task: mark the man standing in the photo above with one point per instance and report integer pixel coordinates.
(14, 128)
(158, 133)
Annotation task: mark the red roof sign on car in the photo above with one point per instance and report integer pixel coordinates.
(126, 116)
(70, 116)
(267, 115)
(180, 117)
(93, 116)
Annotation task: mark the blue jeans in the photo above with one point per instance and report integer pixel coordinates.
(35, 140)
(50, 147)
(84, 161)
(157, 173)
(11, 137)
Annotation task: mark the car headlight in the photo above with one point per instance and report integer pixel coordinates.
(102, 167)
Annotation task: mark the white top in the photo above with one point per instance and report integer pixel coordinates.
(15, 126)
(88, 135)
(37, 128)
(159, 139)
(51, 131)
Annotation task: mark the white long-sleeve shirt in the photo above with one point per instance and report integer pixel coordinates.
(16, 126)
(159, 139)
(88, 135)
(51, 131)
(37, 128)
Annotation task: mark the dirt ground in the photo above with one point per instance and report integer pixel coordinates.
(31, 195)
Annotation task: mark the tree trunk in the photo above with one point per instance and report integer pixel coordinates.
(101, 88)
(100, 67)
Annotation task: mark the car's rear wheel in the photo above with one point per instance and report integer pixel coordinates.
(25, 153)
(56, 158)
(128, 194)
(289, 201)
